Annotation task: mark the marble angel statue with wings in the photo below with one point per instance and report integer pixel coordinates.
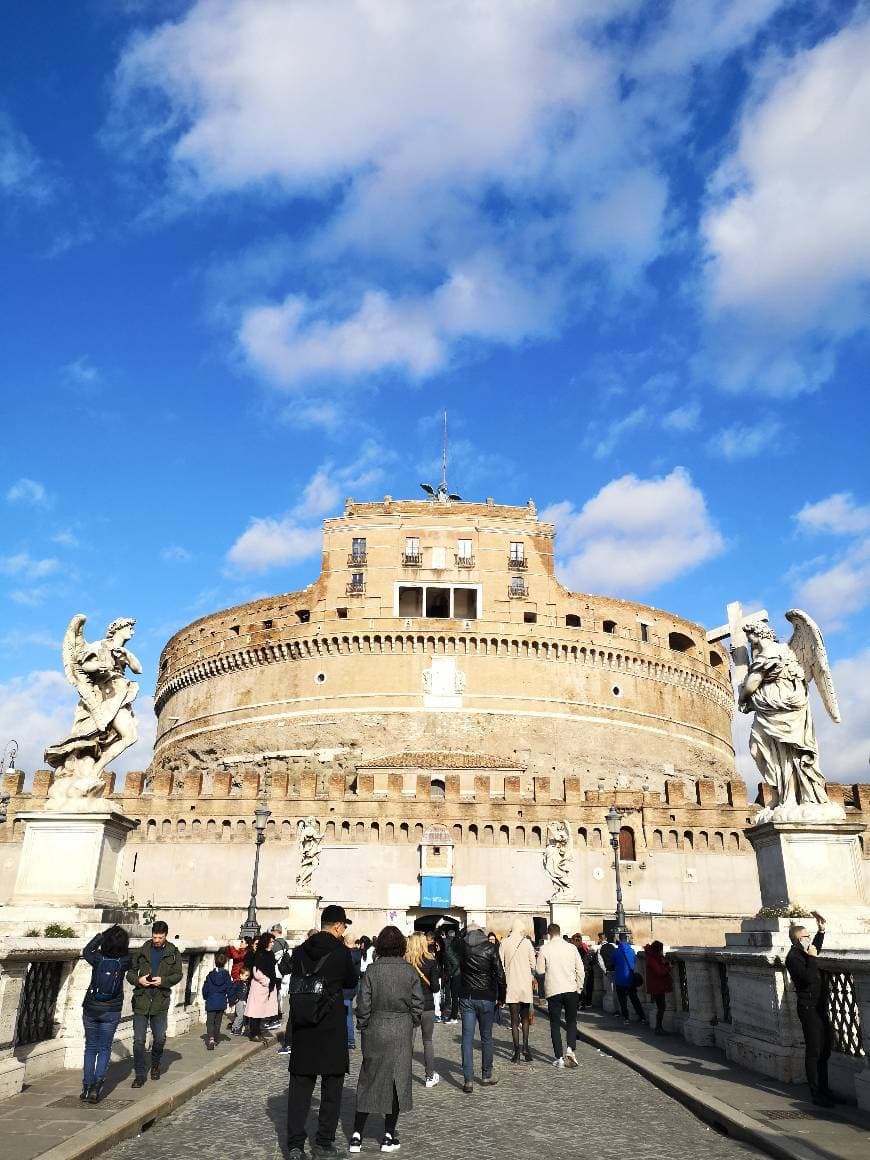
(104, 724)
(782, 741)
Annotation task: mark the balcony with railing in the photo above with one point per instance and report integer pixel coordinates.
(464, 561)
(412, 559)
(520, 563)
(356, 559)
(518, 591)
(356, 588)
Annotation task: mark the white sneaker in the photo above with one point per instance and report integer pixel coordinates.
(560, 1062)
(433, 1079)
(391, 1143)
(570, 1058)
(355, 1144)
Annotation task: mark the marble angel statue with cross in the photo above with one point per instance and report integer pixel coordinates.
(782, 741)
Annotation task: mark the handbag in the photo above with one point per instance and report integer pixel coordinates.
(636, 979)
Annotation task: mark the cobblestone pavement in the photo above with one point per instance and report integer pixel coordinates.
(602, 1108)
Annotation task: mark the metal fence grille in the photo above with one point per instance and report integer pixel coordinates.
(725, 992)
(844, 1013)
(38, 1000)
(684, 985)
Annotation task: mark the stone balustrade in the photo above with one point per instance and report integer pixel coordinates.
(743, 1002)
(42, 985)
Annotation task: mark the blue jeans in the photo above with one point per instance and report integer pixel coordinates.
(348, 1010)
(476, 1012)
(100, 1030)
(158, 1040)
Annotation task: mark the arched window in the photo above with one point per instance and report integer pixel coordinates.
(472, 834)
(572, 620)
(181, 828)
(329, 834)
(345, 831)
(376, 832)
(360, 832)
(457, 835)
(679, 642)
(674, 839)
(627, 851)
(404, 832)
(581, 836)
(703, 840)
(151, 830)
(390, 832)
(438, 790)
(715, 659)
(734, 843)
(520, 836)
(488, 835)
(688, 839)
(658, 842)
(609, 626)
(504, 836)
(166, 828)
(536, 836)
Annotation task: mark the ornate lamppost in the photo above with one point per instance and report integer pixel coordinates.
(7, 765)
(250, 927)
(614, 825)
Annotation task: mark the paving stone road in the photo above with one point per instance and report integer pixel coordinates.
(601, 1108)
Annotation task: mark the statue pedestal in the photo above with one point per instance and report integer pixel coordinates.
(71, 859)
(302, 916)
(817, 865)
(566, 914)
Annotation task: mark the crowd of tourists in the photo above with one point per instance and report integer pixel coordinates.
(316, 997)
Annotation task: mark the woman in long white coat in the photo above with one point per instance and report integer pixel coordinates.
(518, 960)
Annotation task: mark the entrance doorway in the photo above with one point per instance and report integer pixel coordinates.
(428, 919)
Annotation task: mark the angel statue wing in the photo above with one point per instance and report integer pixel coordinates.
(808, 646)
(74, 644)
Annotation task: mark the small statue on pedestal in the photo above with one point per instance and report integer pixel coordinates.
(310, 839)
(104, 724)
(559, 856)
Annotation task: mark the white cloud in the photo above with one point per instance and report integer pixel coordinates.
(30, 492)
(270, 542)
(833, 594)
(788, 231)
(683, 418)
(744, 441)
(838, 514)
(606, 444)
(22, 173)
(844, 749)
(635, 534)
(175, 553)
(301, 339)
(23, 566)
(37, 710)
(66, 537)
(83, 376)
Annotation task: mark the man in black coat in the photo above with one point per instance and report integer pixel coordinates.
(478, 973)
(802, 964)
(321, 1050)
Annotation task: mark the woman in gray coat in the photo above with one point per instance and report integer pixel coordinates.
(389, 1007)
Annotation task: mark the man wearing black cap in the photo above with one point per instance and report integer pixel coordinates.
(321, 1049)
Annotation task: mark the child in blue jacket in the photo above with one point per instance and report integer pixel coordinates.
(218, 990)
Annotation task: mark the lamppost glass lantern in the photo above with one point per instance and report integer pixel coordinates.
(614, 825)
(250, 927)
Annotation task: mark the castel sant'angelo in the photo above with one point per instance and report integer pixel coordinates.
(436, 698)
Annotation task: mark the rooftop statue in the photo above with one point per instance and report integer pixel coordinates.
(104, 724)
(782, 741)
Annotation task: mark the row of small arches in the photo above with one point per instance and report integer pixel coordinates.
(472, 834)
(320, 647)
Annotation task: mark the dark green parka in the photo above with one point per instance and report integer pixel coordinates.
(154, 1000)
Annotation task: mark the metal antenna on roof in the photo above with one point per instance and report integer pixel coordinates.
(441, 494)
(444, 457)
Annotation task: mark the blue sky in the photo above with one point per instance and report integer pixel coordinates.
(251, 250)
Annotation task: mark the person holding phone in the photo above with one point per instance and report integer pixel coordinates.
(802, 964)
(155, 969)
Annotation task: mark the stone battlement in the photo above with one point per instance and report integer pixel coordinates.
(385, 804)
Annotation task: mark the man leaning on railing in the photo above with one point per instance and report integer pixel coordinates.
(812, 1007)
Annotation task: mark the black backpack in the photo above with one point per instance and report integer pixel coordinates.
(310, 998)
(107, 980)
(608, 950)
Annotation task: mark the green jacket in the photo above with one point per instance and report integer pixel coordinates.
(154, 1000)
